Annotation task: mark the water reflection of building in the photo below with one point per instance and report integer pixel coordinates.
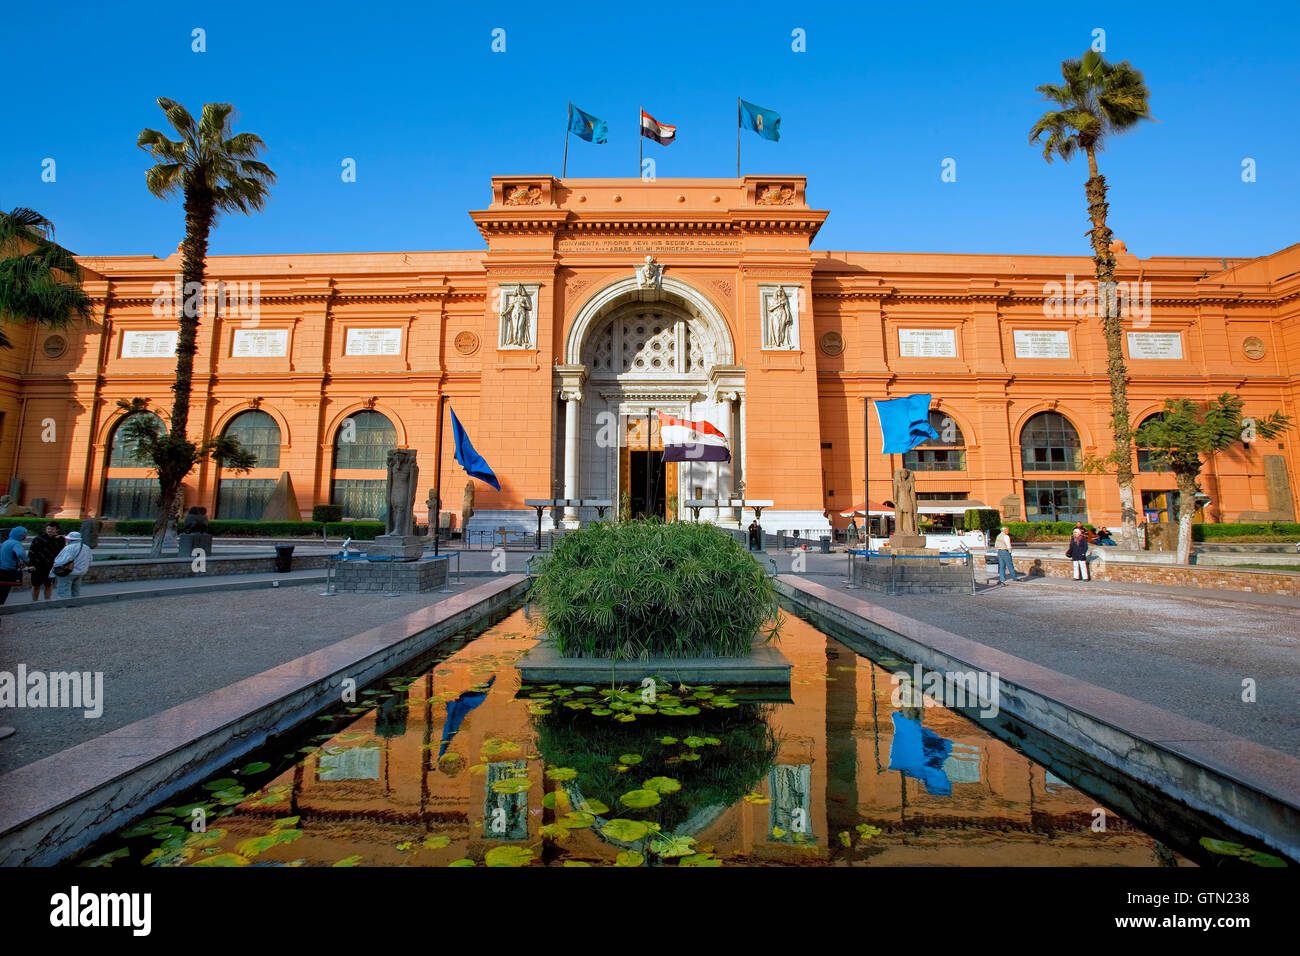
(832, 771)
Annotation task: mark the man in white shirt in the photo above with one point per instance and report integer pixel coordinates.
(1003, 546)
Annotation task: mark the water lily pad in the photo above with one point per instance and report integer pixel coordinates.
(667, 740)
(223, 859)
(348, 861)
(436, 842)
(601, 711)
(496, 747)
(629, 858)
(511, 785)
(639, 799)
(688, 756)
(255, 767)
(255, 845)
(210, 838)
(556, 800)
(281, 822)
(560, 773)
(699, 859)
(592, 805)
(107, 859)
(662, 785)
(584, 688)
(465, 861)
(511, 856)
(578, 819)
(625, 718)
(222, 784)
(624, 831)
(671, 846)
(629, 759)
(554, 831)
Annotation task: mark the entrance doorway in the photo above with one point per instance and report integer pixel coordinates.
(643, 465)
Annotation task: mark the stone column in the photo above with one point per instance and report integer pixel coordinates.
(729, 517)
(572, 398)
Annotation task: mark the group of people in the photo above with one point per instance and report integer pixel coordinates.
(1076, 551)
(57, 563)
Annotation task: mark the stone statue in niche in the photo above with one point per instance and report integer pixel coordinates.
(650, 275)
(402, 477)
(780, 321)
(905, 502)
(516, 319)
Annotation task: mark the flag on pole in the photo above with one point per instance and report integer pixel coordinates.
(904, 423)
(691, 441)
(766, 123)
(661, 133)
(585, 126)
(469, 459)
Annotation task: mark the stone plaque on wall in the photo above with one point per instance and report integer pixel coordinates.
(149, 344)
(1155, 345)
(260, 343)
(927, 343)
(1041, 344)
(373, 342)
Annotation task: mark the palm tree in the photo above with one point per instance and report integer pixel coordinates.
(40, 281)
(1097, 99)
(215, 170)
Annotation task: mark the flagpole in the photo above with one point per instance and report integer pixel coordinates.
(640, 143)
(437, 481)
(866, 470)
(567, 122)
(737, 137)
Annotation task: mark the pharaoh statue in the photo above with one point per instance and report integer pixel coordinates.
(467, 505)
(905, 502)
(402, 477)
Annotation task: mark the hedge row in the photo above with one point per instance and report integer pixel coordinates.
(1202, 532)
(359, 530)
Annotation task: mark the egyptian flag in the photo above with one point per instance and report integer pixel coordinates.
(661, 133)
(691, 441)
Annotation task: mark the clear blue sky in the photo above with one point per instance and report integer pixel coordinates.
(882, 96)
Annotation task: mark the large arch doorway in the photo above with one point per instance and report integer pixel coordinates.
(632, 353)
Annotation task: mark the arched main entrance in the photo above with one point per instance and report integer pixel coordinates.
(631, 352)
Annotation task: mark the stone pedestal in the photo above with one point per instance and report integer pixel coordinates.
(396, 576)
(186, 543)
(920, 572)
(406, 546)
(898, 543)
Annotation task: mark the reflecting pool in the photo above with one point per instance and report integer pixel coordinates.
(460, 765)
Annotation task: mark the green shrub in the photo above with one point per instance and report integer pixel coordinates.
(988, 520)
(636, 589)
(356, 530)
(36, 525)
(327, 514)
(1205, 532)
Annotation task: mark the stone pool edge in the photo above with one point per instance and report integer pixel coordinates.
(1246, 785)
(57, 806)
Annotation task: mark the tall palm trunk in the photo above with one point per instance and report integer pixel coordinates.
(194, 252)
(1108, 304)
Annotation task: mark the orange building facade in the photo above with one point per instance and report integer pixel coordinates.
(597, 301)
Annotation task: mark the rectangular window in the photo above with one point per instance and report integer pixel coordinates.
(362, 498)
(935, 459)
(131, 498)
(1055, 501)
(244, 499)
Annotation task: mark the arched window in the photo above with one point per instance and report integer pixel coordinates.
(1048, 442)
(259, 433)
(361, 446)
(131, 492)
(945, 453)
(1147, 460)
(244, 498)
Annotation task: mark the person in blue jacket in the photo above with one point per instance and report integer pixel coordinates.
(13, 558)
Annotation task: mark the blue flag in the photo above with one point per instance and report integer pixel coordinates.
(588, 127)
(469, 459)
(905, 423)
(766, 123)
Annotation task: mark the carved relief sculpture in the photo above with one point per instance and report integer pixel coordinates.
(650, 275)
(775, 194)
(516, 318)
(779, 331)
(525, 194)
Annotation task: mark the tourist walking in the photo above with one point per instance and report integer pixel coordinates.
(1006, 569)
(1078, 553)
(44, 549)
(71, 565)
(13, 558)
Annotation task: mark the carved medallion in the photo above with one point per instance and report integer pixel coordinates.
(775, 194)
(54, 346)
(466, 343)
(832, 343)
(522, 194)
(1253, 347)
